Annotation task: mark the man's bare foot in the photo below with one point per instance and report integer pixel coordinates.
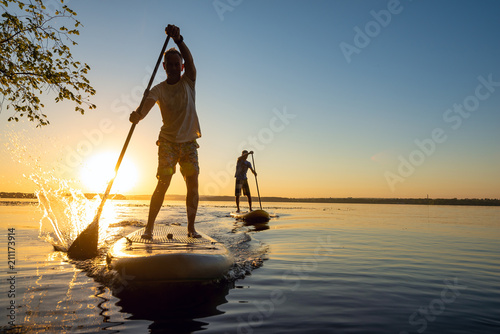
(148, 234)
(194, 234)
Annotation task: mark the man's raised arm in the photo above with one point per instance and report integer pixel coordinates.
(189, 68)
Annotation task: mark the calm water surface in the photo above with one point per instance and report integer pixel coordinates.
(317, 268)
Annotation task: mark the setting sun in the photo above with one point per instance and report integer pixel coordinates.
(98, 170)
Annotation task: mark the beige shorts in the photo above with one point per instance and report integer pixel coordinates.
(169, 154)
(241, 185)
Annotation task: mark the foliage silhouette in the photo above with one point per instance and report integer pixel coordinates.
(35, 59)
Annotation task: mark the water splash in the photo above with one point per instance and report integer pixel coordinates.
(67, 212)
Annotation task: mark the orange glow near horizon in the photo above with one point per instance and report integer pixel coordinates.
(98, 170)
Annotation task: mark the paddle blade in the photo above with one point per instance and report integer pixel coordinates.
(85, 245)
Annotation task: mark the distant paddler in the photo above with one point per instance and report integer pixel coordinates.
(242, 166)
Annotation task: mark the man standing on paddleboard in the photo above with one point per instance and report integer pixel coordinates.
(177, 140)
(242, 166)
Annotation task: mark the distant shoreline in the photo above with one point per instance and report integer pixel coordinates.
(347, 200)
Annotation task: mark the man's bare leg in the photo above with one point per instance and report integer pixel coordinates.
(156, 203)
(249, 202)
(192, 198)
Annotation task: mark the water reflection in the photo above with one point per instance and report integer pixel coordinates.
(108, 325)
(250, 227)
(257, 226)
(173, 307)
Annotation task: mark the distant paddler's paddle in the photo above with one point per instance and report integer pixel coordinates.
(85, 245)
(256, 216)
(256, 183)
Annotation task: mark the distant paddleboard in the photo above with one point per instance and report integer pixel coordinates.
(252, 217)
(170, 256)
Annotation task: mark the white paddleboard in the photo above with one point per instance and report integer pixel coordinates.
(169, 256)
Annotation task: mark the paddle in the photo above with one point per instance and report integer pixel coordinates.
(258, 193)
(85, 245)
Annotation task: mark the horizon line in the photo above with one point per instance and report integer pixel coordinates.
(273, 198)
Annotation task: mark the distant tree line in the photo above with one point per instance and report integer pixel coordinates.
(17, 195)
(419, 201)
(352, 200)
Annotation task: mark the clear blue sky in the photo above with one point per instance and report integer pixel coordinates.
(333, 96)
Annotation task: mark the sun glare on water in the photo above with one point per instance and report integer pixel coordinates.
(98, 170)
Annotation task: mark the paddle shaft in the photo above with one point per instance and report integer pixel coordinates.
(85, 245)
(132, 128)
(256, 183)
